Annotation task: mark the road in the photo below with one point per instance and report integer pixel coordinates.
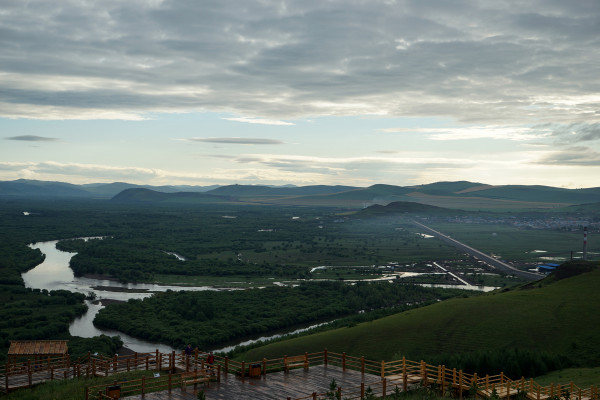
(489, 260)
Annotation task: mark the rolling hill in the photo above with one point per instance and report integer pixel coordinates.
(141, 195)
(404, 207)
(561, 317)
(455, 195)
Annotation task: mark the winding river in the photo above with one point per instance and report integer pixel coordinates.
(55, 274)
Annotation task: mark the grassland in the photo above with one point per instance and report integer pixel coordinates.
(582, 377)
(562, 316)
(515, 243)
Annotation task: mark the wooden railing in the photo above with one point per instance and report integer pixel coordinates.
(146, 385)
(402, 374)
(30, 372)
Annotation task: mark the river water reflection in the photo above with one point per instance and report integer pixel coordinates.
(55, 274)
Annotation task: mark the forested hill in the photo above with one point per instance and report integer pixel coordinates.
(405, 207)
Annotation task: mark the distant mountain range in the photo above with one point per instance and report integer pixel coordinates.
(461, 194)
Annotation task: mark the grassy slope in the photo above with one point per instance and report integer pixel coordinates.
(582, 377)
(562, 317)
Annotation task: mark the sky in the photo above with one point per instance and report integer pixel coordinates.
(188, 92)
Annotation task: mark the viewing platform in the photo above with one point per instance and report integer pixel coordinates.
(178, 376)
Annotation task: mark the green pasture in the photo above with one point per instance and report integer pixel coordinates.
(517, 244)
(582, 377)
(561, 317)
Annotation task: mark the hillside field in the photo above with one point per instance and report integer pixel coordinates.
(559, 318)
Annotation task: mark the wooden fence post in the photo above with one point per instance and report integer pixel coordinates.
(453, 377)
(362, 364)
(443, 370)
(404, 375)
(29, 372)
(344, 361)
(264, 367)
(382, 369)
(226, 365)
(243, 369)
(218, 373)
(362, 390)
(170, 381)
(384, 386)
(143, 385)
(460, 383)
(325, 356)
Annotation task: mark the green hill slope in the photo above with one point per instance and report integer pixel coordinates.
(561, 318)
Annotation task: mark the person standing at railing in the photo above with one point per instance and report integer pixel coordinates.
(188, 355)
(210, 361)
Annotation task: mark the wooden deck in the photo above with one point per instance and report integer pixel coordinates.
(279, 385)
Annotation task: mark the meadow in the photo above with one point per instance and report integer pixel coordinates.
(547, 325)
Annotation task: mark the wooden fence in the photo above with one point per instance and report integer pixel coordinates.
(399, 375)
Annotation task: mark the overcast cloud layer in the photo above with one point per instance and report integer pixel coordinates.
(526, 71)
(471, 60)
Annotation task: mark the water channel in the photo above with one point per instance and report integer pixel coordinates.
(55, 274)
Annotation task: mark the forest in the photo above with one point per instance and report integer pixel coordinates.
(210, 319)
(241, 243)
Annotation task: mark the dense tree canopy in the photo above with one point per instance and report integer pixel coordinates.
(210, 318)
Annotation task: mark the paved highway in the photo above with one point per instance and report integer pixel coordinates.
(491, 261)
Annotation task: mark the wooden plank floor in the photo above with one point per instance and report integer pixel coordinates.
(278, 385)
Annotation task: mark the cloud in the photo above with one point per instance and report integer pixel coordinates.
(86, 173)
(573, 156)
(574, 133)
(32, 138)
(261, 121)
(513, 133)
(236, 140)
(299, 162)
(475, 62)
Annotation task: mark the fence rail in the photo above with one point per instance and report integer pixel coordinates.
(395, 375)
